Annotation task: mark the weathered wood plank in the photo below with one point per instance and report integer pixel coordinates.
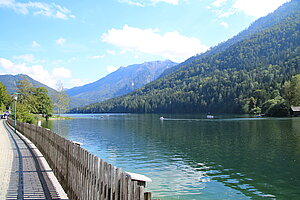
(147, 196)
(141, 193)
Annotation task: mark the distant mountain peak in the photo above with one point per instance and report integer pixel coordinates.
(122, 81)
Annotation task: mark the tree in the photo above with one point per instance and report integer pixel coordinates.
(4, 98)
(23, 114)
(24, 88)
(43, 104)
(62, 99)
(252, 103)
(278, 110)
(32, 101)
(261, 96)
(292, 91)
(25, 102)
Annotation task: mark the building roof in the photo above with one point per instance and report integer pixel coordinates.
(295, 108)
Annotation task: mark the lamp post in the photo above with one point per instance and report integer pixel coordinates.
(15, 99)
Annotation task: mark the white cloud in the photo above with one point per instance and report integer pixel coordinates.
(222, 14)
(111, 52)
(25, 57)
(123, 51)
(225, 24)
(143, 3)
(60, 15)
(73, 59)
(257, 8)
(6, 64)
(35, 44)
(97, 57)
(174, 2)
(170, 45)
(36, 72)
(111, 69)
(133, 3)
(218, 3)
(38, 8)
(60, 41)
(61, 72)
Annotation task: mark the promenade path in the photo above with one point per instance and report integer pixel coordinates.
(24, 172)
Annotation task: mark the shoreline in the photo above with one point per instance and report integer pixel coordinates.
(60, 118)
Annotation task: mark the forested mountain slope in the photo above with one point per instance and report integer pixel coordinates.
(257, 26)
(223, 81)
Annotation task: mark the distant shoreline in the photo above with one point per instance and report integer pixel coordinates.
(60, 118)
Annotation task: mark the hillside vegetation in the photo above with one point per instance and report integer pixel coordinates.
(32, 102)
(241, 77)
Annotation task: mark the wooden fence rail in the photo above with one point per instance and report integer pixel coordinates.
(83, 175)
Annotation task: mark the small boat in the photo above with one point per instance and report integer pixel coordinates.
(209, 116)
(161, 118)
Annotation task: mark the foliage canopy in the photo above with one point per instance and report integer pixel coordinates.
(32, 101)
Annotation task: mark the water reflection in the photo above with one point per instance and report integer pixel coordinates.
(189, 157)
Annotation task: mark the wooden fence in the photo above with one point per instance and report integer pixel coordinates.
(83, 175)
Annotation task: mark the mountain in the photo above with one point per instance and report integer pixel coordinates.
(10, 82)
(120, 82)
(256, 63)
(259, 25)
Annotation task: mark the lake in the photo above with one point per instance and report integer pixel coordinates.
(190, 157)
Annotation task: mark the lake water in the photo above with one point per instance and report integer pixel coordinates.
(190, 157)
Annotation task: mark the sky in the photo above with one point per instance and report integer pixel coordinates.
(78, 42)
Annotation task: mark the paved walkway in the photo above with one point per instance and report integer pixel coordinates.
(24, 173)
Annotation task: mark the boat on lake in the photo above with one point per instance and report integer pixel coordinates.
(210, 116)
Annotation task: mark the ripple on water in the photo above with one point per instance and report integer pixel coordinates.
(192, 158)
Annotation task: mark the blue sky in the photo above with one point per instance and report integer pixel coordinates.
(78, 42)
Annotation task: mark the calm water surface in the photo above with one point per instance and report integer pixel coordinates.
(189, 157)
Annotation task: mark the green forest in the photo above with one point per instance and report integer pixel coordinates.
(32, 102)
(256, 74)
(5, 99)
